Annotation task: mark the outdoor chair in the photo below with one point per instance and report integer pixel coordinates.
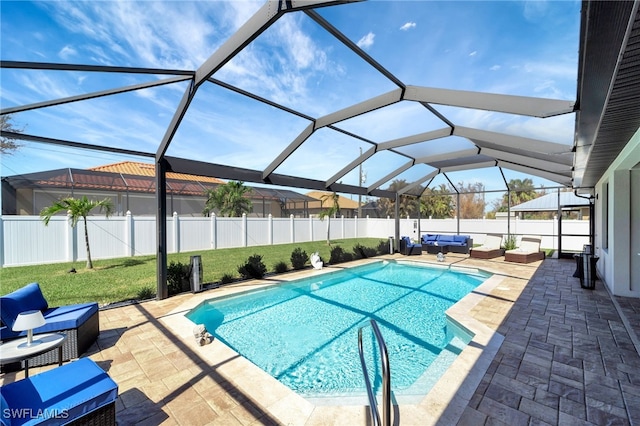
(79, 322)
(491, 248)
(528, 251)
(408, 248)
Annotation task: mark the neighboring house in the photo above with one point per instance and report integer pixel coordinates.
(372, 209)
(132, 187)
(348, 207)
(573, 206)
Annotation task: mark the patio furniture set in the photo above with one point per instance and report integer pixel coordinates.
(33, 334)
(527, 251)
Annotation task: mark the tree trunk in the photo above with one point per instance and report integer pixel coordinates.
(86, 241)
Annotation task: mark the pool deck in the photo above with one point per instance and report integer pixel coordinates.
(557, 354)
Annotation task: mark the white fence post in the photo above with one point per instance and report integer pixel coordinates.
(270, 229)
(292, 228)
(1, 242)
(214, 231)
(176, 236)
(244, 230)
(311, 228)
(355, 226)
(342, 230)
(128, 235)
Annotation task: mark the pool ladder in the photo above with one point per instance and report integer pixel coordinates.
(386, 378)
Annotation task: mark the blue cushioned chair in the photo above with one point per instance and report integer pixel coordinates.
(408, 248)
(79, 392)
(79, 322)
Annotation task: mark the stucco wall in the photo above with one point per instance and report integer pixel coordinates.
(616, 255)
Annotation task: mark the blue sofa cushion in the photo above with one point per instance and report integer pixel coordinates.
(27, 298)
(445, 239)
(462, 239)
(57, 319)
(429, 238)
(66, 392)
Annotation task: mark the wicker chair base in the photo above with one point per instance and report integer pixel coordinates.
(78, 342)
(486, 254)
(523, 257)
(103, 416)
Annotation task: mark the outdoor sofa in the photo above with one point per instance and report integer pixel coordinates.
(491, 248)
(409, 248)
(79, 322)
(435, 243)
(77, 393)
(528, 251)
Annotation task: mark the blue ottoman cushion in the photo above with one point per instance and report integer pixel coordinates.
(58, 395)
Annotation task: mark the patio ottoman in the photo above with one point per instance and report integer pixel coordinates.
(76, 393)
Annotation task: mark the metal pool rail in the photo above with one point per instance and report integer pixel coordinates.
(386, 378)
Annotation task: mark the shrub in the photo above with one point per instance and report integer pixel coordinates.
(362, 252)
(254, 267)
(146, 293)
(510, 242)
(226, 279)
(280, 267)
(299, 258)
(337, 255)
(383, 247)
(177, 278)
(347, 257)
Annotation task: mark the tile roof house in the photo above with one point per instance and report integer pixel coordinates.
(348, 207)
(132, 187)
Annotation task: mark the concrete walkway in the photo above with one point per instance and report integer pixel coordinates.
(567, 358)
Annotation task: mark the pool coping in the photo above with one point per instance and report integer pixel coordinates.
(444, 404)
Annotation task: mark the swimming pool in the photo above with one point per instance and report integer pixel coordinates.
(304, 333)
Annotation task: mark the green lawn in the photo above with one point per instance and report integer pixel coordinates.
(116, 280)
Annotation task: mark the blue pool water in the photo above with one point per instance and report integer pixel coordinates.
(304, 333)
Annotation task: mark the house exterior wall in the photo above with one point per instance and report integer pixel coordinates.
(616, 220)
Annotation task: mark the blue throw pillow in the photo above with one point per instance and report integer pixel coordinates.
(27, 298)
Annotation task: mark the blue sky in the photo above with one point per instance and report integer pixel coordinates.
(527, 48)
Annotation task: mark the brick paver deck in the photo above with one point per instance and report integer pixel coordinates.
(567, 358)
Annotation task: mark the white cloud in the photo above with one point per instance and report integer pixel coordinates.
(474, 53)
(408, 26)
(495, 67)
(67, 52)
(366, 41)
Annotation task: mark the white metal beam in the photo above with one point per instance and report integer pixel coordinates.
(495, 138)
(410, 140)
(390, 176)
(549, 163)
(520, 105)
(470, 166)
(303, 136)
(418, 182)
(558, 178)
(448, 156)
(352, 165)
(360, 108)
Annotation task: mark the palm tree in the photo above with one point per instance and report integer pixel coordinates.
(229, 199)
(331, 210)
(76, 209)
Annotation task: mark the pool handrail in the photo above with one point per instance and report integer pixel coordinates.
(386, 378)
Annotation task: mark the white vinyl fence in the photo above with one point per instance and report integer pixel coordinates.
(27, 241)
